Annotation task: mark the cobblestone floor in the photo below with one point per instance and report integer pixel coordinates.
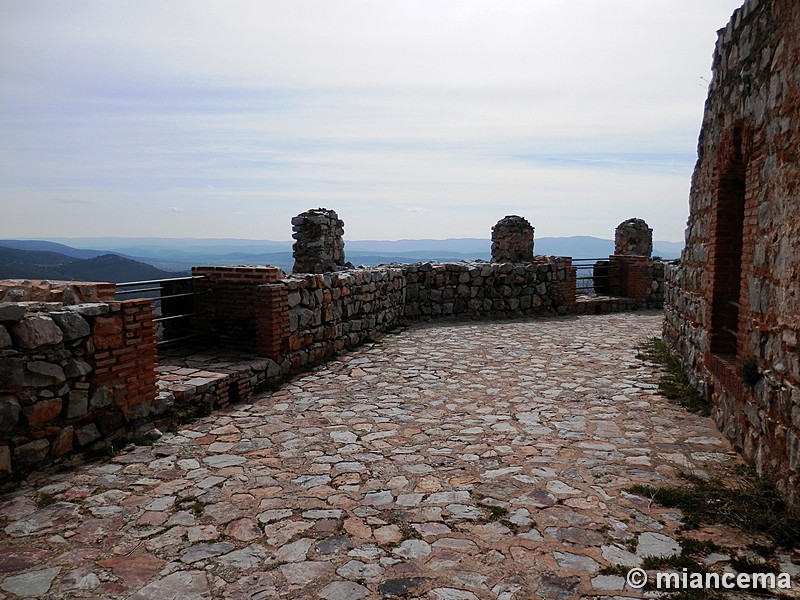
(456, 461)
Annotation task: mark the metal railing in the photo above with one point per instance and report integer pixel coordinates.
(175, 302)
(590, 277)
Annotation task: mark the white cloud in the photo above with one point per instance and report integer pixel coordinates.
(583, 112)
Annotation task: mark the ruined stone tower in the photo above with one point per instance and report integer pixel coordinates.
(319, 245)
(512, 240)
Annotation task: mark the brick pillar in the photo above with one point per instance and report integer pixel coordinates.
(628, 276)
(566, 288)
(231, 302)
(272, 321)
(126, 356)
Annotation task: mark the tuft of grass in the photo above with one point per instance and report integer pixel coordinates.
(676, 561)
(749, 371)
(750, 504)
(45, 500)
(190, 503)
(496, 513)
(620, 570)
(743, 564)
(674, 384)
(693, 547)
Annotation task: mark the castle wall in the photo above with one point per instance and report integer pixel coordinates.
(71, 374)
(74, 377)
(733, 302)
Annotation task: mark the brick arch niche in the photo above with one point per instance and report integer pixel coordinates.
(728, 244)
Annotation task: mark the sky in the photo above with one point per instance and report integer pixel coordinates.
(412, 119)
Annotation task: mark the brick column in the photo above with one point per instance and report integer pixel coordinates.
(272, 321)
(628, 276)
(566, 288)
(126, 356)
(234, 317)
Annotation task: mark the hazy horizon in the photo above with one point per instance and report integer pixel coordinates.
(412, 120)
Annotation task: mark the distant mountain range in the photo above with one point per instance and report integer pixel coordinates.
(36, 264)
(131, 259)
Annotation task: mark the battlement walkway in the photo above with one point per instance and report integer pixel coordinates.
(450, 461)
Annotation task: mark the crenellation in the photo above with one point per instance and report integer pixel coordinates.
(512, 240)
(82, 374)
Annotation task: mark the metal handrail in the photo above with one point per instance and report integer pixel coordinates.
(154, 288)
(151, 281)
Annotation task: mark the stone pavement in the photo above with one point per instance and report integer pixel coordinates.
(452, 461)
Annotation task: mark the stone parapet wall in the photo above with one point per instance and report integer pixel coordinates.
(488, 290)
(71, 374)
(67, 292)
(333, 311)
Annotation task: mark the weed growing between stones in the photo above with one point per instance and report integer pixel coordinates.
(749, 371)
(674, 384)
(46, 500)
(747, 502)
(191, 503)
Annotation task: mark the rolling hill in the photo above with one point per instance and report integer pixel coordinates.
(37, 264)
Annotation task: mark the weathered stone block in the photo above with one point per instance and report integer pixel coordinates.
(78, 404)
(5, 460)
(41, 374)
(9, 414)
(72, 324)
(86, 435)
(77, 368)
(43, 411)
(99, 398)
(163, 402)
(5, 338)
(89, 309)
(10, 311)
(36, 331)
(63, 441)
(31, 454)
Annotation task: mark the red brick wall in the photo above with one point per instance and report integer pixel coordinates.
(126, 357)
(230, 299)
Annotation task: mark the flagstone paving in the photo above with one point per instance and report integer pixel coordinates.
(455, 461)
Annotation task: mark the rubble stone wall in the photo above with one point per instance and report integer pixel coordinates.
(485, 290)
(512, 240)
(319, 245)
(333, 311)
(71, 374)
(733, 303)
(633, 238)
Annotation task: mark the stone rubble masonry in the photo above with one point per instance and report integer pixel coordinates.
(71, 373)
(633, 238)
(740, 269)
(67, 292)
(77, 376)
(333, 311)
(319, 245)
(512, 240)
